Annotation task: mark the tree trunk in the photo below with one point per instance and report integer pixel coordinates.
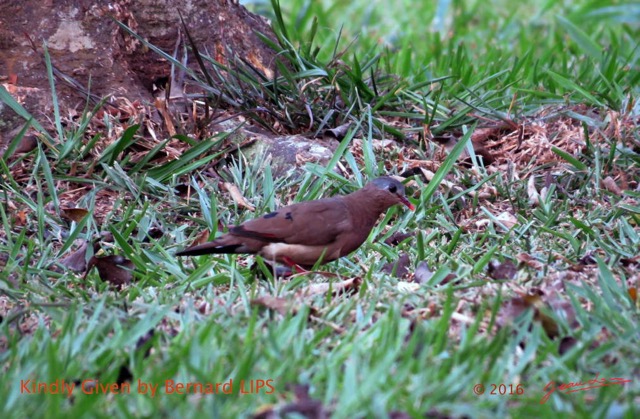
(86, 45)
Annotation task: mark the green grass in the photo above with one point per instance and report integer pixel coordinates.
(391, 346)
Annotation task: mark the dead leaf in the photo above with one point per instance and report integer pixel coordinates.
(20, 218)
(76, 261)
(630, 261)
(26, 144)
(502, 271)
(611, 185)
(338, 132)
(73, 214)
(237, 197)
(408, 287)
(398, 237)
(480, 151)
(115, 269)
(478, 139)
(507, 219)
(400, 266)
(386, 144)
(541, 305)
(350, 286)
(161, 105)
(588, 259)
(201, 238)
(279, 304)
(452, 277)
(182, 189)
(530, 261)
(423, 274)
(532, 192)
(566, 344)
(204, 308)
(154, 233)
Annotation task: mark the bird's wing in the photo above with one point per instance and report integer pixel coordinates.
(312, 223)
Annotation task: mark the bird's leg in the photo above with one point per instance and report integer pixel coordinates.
(292, 264)
(277, 271)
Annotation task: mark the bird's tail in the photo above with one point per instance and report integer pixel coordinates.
(211, 248)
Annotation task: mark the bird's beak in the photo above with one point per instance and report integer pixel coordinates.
(406, 202)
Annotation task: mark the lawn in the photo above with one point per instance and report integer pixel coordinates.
(511, 290)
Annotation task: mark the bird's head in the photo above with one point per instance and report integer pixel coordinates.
(392, 191)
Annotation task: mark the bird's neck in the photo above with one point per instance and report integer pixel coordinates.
(366, 209)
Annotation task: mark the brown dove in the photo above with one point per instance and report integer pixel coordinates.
(301, 234)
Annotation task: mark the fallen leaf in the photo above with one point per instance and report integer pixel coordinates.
(398, 237)
(630, 261)
(115, 269)
(478, 138)
(76, 261)
(20, 218)
(400, 266)
(530, 261)
(161, 106)
(73, 214)
(541, 304)
(548, 323)
(408, 287)
(386, 144)
(532, 192)
(588, 259)
(26, 144)
(423, 274)
(566, 344)
(237, 197)
(501, 271)
(611, 185)
(182, 189)
(507, 219)
(201, 238)
(452, 277)
(153, 234)
(350, 286)
(279, 304)
(338, 132)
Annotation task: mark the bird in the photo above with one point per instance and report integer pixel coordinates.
(303, 234)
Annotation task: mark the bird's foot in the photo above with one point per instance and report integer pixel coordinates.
(292, 264)
(275, 270)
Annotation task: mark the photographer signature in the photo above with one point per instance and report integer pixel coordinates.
(552, 387)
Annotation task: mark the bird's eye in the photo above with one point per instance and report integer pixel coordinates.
(392, 188)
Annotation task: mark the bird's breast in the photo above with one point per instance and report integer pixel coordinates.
(299, 253)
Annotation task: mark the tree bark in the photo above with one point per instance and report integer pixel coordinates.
(87, 45)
